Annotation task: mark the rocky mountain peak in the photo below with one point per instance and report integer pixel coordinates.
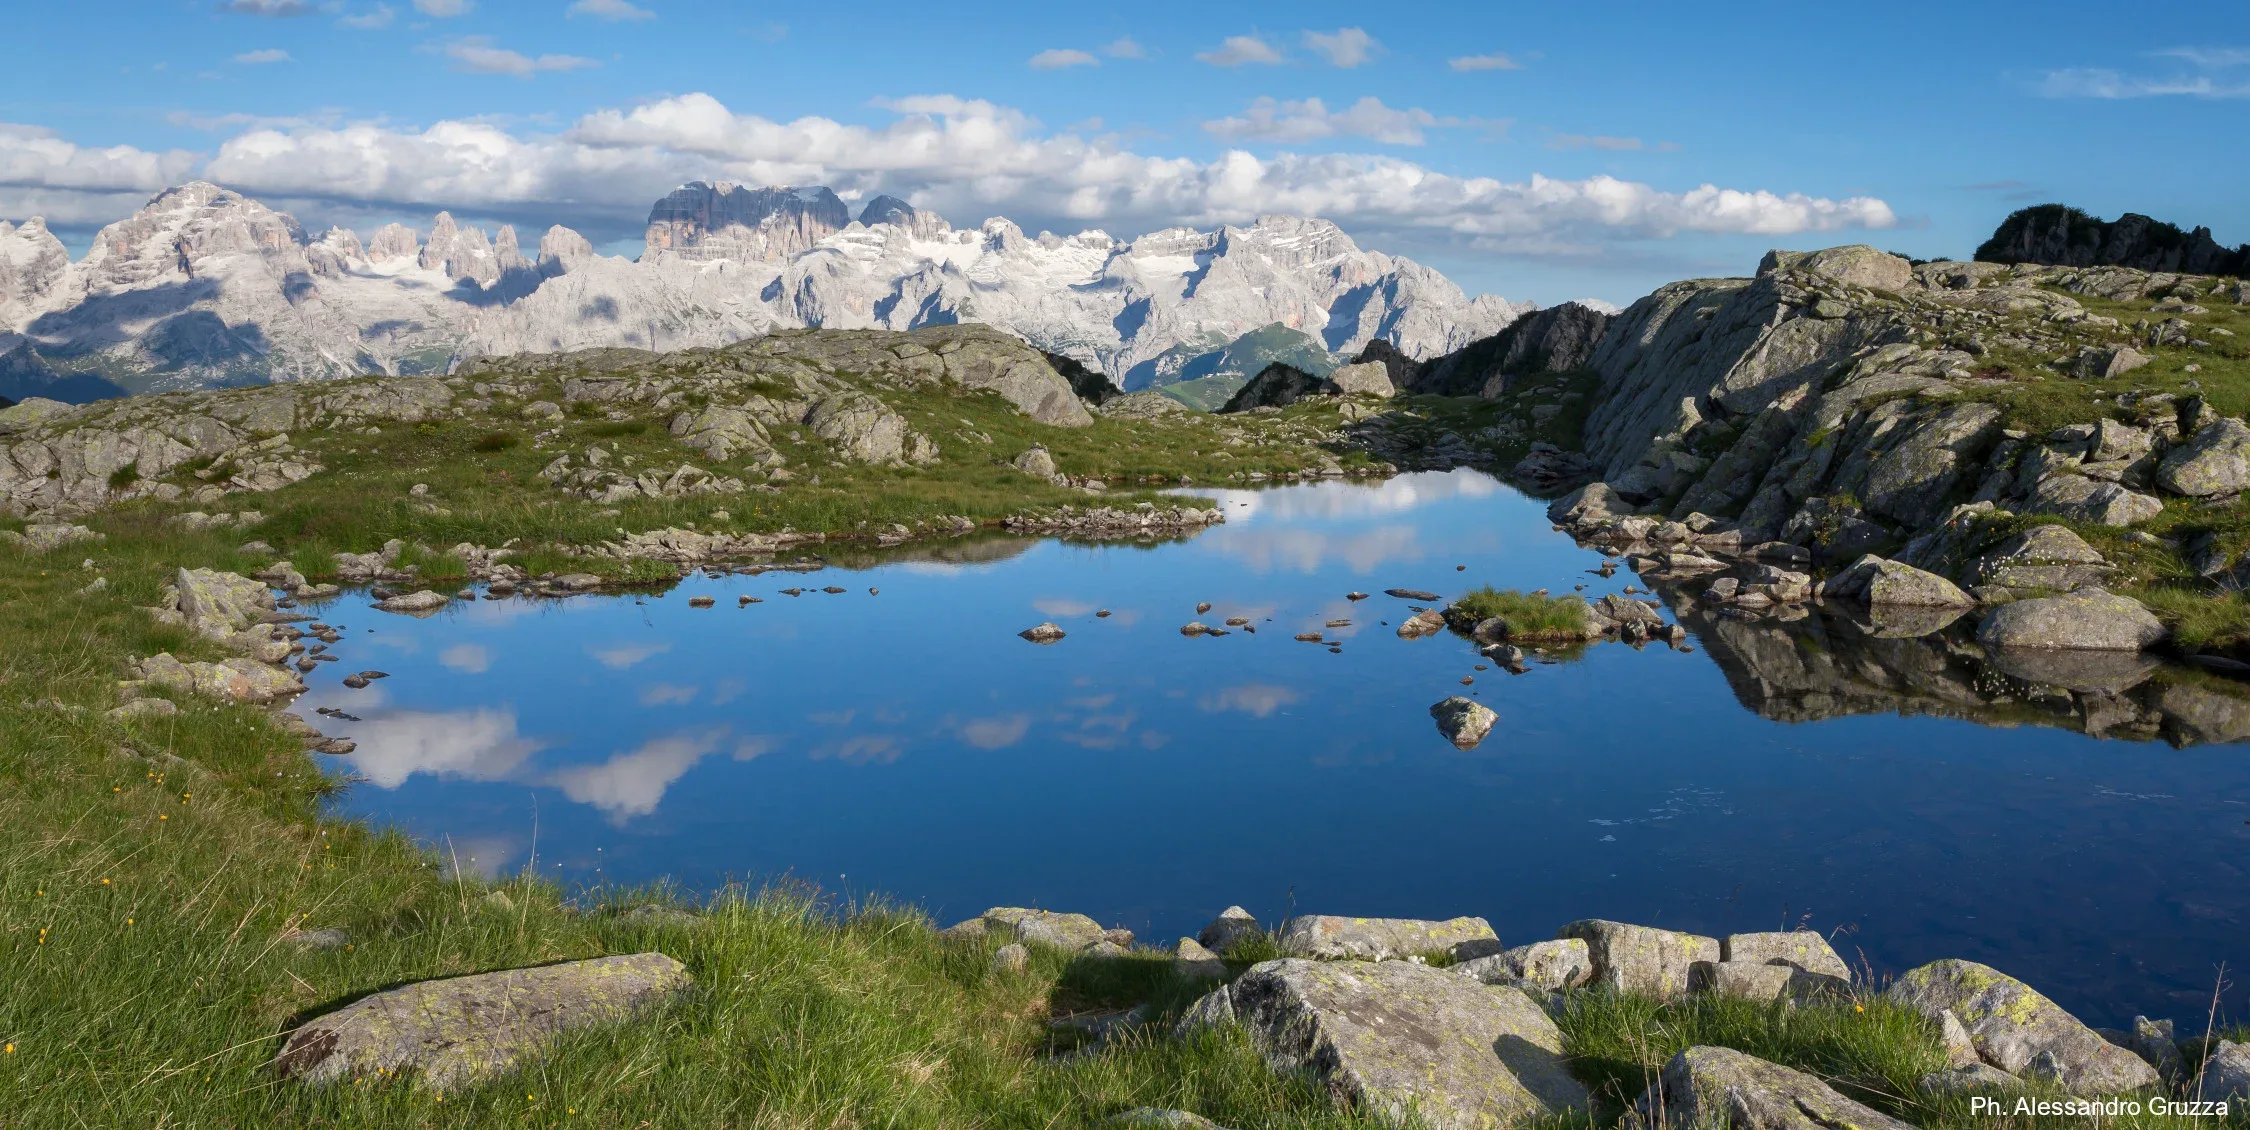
(461, 253)
(894, 211)
(180, 229)
(393, 242)
(34, 267)
(2060, 236)
(562, 250)
(702, 221)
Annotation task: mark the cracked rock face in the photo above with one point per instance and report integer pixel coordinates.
(1395, 1037)
(2015, 1029)
(458, 1031)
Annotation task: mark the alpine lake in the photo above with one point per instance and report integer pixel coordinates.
(1911, 797)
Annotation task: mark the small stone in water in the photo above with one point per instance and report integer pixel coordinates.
(832, 589)
(1202, 607)
(873, 592)
(1102, 615)
(700, 602)
(1355, 596)
(1466, 680)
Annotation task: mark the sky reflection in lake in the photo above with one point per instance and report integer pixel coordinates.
(910, 743)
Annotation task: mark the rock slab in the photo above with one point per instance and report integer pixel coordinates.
(1400, 1039)
(1332, 937)
(1642, 959)
(1721, 1087)
(460, 1030)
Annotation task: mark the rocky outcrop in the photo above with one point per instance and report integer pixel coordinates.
(460, 1031)
(1881, 582)
(2058, 235)
(1365, 378)
(701, 221)
(1399, 1039)
(1277, 386)
(2015, 1029)
(1559, 339)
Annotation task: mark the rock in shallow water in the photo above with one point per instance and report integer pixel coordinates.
(1395, 1037)
(461, 1030)
(1043, 633)
(1463, 721)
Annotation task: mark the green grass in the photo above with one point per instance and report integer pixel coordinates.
(1529, 616)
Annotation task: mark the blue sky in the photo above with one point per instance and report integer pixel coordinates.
(1536, 151)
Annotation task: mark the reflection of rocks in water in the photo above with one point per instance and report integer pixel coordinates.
(974, 550)
(1830, 665)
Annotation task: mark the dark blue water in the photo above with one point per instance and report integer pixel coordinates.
(908, 742)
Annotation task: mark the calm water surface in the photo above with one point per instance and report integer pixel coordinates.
(908, 742)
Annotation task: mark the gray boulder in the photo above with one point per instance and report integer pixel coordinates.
(2090, 619)
(2075, 496)
(1750, 980)
(2096, 364)
(2043, 557)
(1880, 581)
(2216, 460)
(1046, 927)
(1641, 959)
(1854, 265)
(1401, 1040)
(1551, 966)
(1463, 721)
(1214, 1009)
(1367, 378)
(2226, 1072)
(220, 604)
(2014, 1028)
(1036, 461)
(1233, 925)
(1708, 1088)
(1801, 949)
(1197, 962)
(1333, 937)
(1011, 959)
(461, 1030)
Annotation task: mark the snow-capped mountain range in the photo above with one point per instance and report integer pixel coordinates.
(204, 286)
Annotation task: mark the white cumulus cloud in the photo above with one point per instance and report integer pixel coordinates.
(266, 55)
(274, 8)
(1345, 47)
(373, 19)
(1311, 120)
(960, 157)
(1058, 58)
(443, 9)
(1240, 49)
(1125, 47)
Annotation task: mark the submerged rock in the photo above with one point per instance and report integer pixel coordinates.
(1403, 1040)
(1046, 632)
(461, 1030)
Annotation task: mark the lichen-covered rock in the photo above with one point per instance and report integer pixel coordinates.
(2090, 619)
(1214, 1009)
(1551, 966)
(1333, 937)
(1880, 581)
(1036, 461)
(1463, 721)
(1641, 959)
(230, 680)
(2216, 460)
(461, 1030)
(2016, 1029)
(43, 537)
(219, 604)
(1801, 949)
(1854, 265)
(1712, 1088)
(1914, 480)
(1399, 1039)
(1046, 927)
(860, 427)
(2075, 496)
(1750, 980)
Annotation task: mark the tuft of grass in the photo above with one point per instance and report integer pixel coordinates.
(497, 441)
(608, 429)
(1529, 616)
(125, 476)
